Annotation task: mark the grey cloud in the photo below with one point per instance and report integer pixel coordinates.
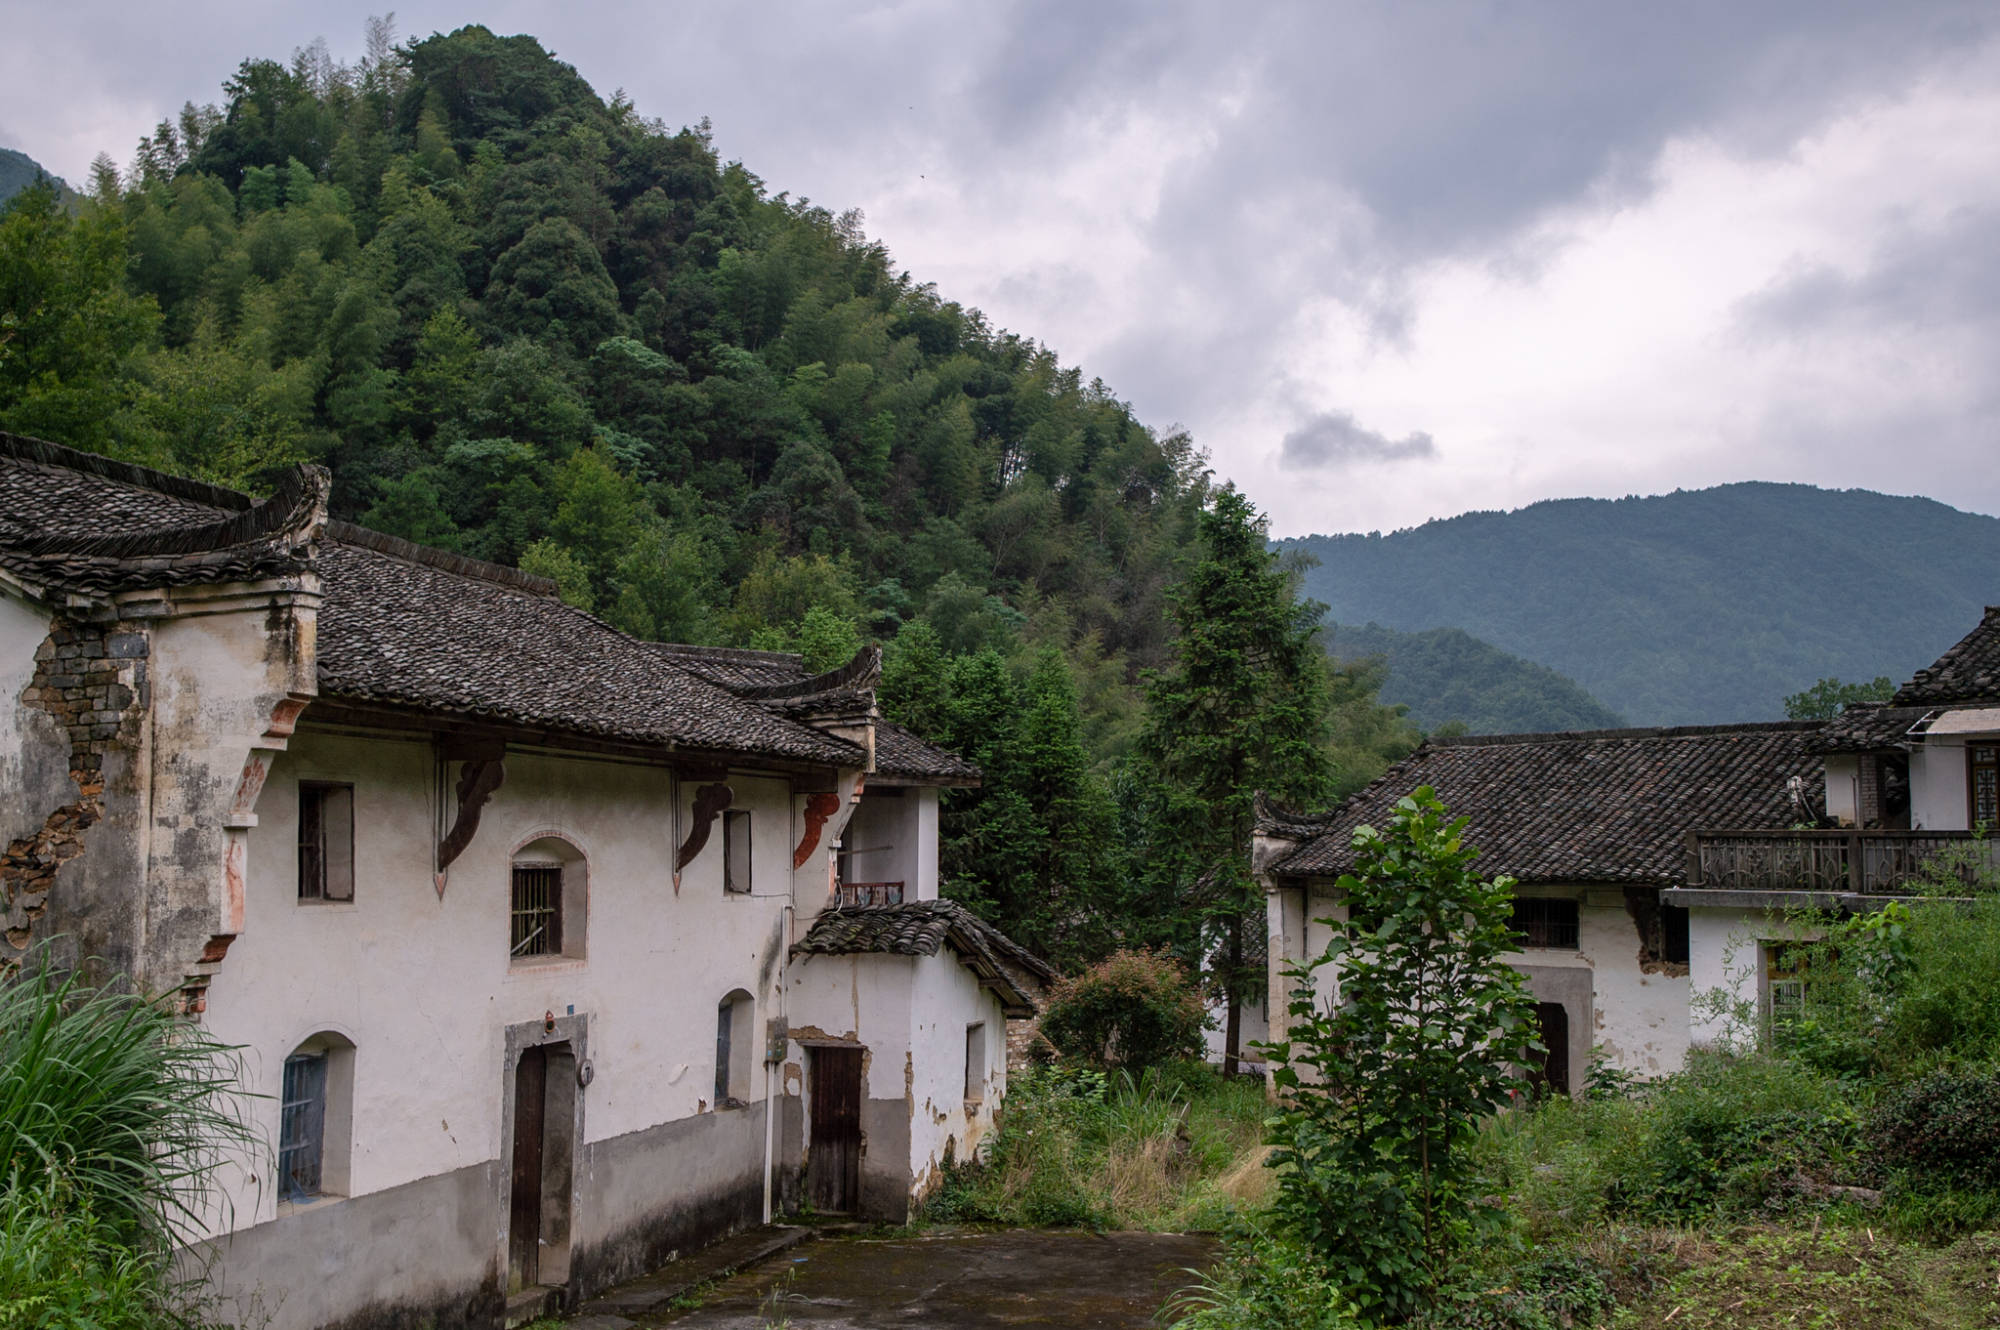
(1332, 439)
(1933, 279)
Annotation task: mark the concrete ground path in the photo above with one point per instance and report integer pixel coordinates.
(956, 1281)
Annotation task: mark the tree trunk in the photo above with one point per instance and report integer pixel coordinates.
(1233, 1025)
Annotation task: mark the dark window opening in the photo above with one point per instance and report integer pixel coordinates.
(1674, 930)
(326, 842)
(536, 912)
(1541, 922)
(736, 852)
(725, 1021)
(302, 1126)
(1983, 771)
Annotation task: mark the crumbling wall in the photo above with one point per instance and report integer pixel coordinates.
(89, 681)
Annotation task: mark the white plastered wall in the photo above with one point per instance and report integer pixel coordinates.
(947, 1000)
(1726, 970)
(423, 987)
(1843, 789)
(27, 734)
(1937, 785)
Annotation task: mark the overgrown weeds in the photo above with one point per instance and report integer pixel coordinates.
(1168, 1150)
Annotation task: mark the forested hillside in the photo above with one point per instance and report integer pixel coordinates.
(1446, 676)
(524, 322)
(1696, 606)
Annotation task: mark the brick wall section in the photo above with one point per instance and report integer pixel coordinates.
(91, 678)
(1021, 1034)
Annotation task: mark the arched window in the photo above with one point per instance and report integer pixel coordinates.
(546, 902)
(735, 1040)
(316, 1120)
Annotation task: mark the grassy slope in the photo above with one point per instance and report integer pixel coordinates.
(1704, 605)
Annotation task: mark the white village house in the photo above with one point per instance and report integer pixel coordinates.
(549, 951)
(1658, 866)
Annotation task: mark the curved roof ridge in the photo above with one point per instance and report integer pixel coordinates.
(41, 451)
(1629, 732)
(862, 672)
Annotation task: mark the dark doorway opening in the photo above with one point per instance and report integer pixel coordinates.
(1550, 1073)
(544, 1155)
(833, 1164)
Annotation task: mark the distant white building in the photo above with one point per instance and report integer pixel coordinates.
(549, 952)
(1594, 828)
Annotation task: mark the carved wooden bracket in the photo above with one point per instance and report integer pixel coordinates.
(709, 801)
(476, 784)
(819, 807)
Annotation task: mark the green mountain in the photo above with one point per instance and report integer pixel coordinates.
(1696, 606)
(527, 323)
(18, 171)
(1447, 675)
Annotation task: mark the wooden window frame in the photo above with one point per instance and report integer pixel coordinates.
(1973, 766)
(1544, 933)
(326, 862)
(302, 1104)
(523, 879)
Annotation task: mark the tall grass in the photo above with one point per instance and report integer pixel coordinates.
(1173, 1149)
(113, 1101)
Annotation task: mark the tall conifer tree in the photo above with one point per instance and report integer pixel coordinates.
(1241, 708)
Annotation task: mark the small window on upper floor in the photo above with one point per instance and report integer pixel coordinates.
(975, 1063)
(547, 902)
(326, 841)
(1540, 921)
(1982, 770)
(736, 851)
(1674, 930)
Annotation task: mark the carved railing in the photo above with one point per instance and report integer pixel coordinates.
(855, 894)
(1864, 862)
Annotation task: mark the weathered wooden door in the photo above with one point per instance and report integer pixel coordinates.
(1551, 1075)
(524, 1217)
(833, 1168)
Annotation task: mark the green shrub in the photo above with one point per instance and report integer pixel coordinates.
(1134, 1009)
(1548, 1292)
(1943, 1128)
(1263, 1281)
(124, 1102)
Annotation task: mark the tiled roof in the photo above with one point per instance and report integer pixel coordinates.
(398, 623)
(103, 526)
(1866, 726)
(1601, 806)
(919, 928)
(779, 679)
(1968, 672)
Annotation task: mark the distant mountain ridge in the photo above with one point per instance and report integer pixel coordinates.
(1446, 675)
(1697, 606)
(18, 171)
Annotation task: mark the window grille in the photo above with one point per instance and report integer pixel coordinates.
(1541, 922)
(326, 842)
(736, 852)
(537, 911)
(302, 1126)
(1983, 761)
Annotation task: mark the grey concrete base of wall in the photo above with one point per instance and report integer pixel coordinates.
(429, 1255)
(885, 1161)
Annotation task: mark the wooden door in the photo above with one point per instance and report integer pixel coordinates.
(1551, 1073)
(833, 1169)
(524, 1217)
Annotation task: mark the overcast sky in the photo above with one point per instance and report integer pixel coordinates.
(1386, 261)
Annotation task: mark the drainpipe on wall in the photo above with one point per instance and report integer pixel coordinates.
(774, 1070)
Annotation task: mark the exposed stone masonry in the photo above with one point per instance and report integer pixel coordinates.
(92, 679)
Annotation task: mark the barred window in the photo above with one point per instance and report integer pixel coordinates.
(1542, 922)
(536, 912)
(1983, 770)
(326, 842)
(302, 1126)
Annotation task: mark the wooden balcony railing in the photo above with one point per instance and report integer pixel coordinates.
(1869, 863)
(855, 894)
